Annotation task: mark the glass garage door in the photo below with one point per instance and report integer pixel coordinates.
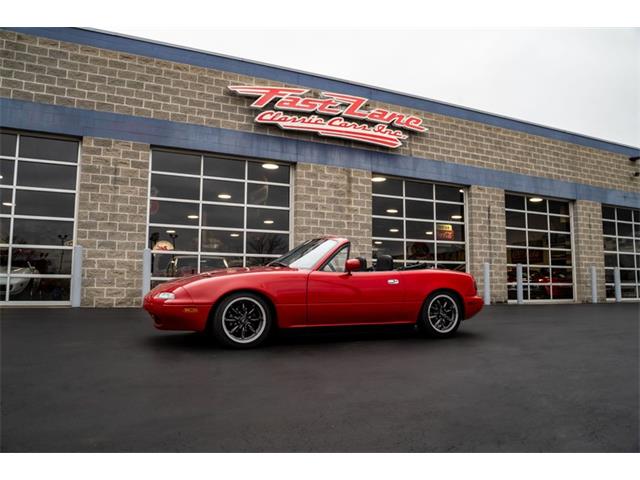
(418, 222)
(621, 228)
(38, 177)
(208, 212)
(539, 238)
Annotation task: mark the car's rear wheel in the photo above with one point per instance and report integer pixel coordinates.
(242, 320)
(441, 314)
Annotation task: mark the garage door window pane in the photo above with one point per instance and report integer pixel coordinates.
(48, 149)
(260, 172)
(44, 204)
(267, 243)
(163, 161)
(222, 216)
(8, 144)
(34, 174)
(42, 232)
(6, 171)
(173, 238)
(174, 213)
(170, 186)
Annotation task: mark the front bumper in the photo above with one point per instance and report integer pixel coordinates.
(172, 315)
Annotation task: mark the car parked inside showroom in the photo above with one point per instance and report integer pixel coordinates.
(316, 284)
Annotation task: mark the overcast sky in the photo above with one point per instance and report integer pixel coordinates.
(585, 81)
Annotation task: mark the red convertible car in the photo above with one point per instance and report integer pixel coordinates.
(315, 284)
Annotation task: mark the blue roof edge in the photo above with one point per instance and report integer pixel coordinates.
(150, 48)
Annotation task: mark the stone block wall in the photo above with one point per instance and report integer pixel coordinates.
(333, 201)
(487, 239)
(589, 249)
(112, 221)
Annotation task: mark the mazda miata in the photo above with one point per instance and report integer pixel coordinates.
(315, 284)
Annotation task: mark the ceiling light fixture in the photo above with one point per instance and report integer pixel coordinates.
(392, 210)
(171, 232)
(268, 222)
(234, 235)
(429, 233)
(270, 166)
(7, 204)
(377, 242)
(192, 217)
(224, 196)
(456, 217)
(535, 199)
(378, 179)
(394, 230)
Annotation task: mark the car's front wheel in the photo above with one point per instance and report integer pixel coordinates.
(441, 314)
(242, 320)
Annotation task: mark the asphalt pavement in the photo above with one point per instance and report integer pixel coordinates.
(552, 378)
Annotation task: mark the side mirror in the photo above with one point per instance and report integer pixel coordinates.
(352, 265)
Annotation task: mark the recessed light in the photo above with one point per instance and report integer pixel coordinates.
(392, 210)
(456, 217)
(378, 179)
(192, 217)
(171, 231)
(394, 230)
(7, 204)
(429, 233)
(234, 235)
(270, 166)
(268, 222)
(461, 190)
(535, 199)
(377, 242)
(224, 196)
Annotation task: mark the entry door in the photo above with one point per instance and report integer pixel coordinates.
(362, 297)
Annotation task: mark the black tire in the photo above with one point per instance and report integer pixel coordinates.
(242, 320)
(445, 317)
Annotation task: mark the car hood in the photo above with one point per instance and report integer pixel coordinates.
(225, 272)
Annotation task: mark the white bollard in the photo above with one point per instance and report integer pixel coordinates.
(519, 291)
(76, 276)
(487, 284)
(617, 286)
(594, 285)
(146, 271)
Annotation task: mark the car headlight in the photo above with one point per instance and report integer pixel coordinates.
(166, 296)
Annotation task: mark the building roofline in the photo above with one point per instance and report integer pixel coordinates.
(181, 54)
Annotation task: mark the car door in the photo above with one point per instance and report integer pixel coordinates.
(341, 298)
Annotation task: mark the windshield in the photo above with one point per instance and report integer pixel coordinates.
(306, 255)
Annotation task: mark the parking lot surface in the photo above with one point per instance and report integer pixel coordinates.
(515, 378)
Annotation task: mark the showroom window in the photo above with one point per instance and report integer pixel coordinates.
(208, 212)
(38, 177)
(418, 222)
(621, 229)
(539, 238)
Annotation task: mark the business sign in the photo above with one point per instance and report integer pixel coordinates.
(349, 119)
(445, 231)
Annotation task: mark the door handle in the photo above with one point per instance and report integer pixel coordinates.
(393, 281)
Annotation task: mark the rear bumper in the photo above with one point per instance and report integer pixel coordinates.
(182, 316)
(472, 305)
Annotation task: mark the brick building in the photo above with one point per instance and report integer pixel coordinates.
(119, 145)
